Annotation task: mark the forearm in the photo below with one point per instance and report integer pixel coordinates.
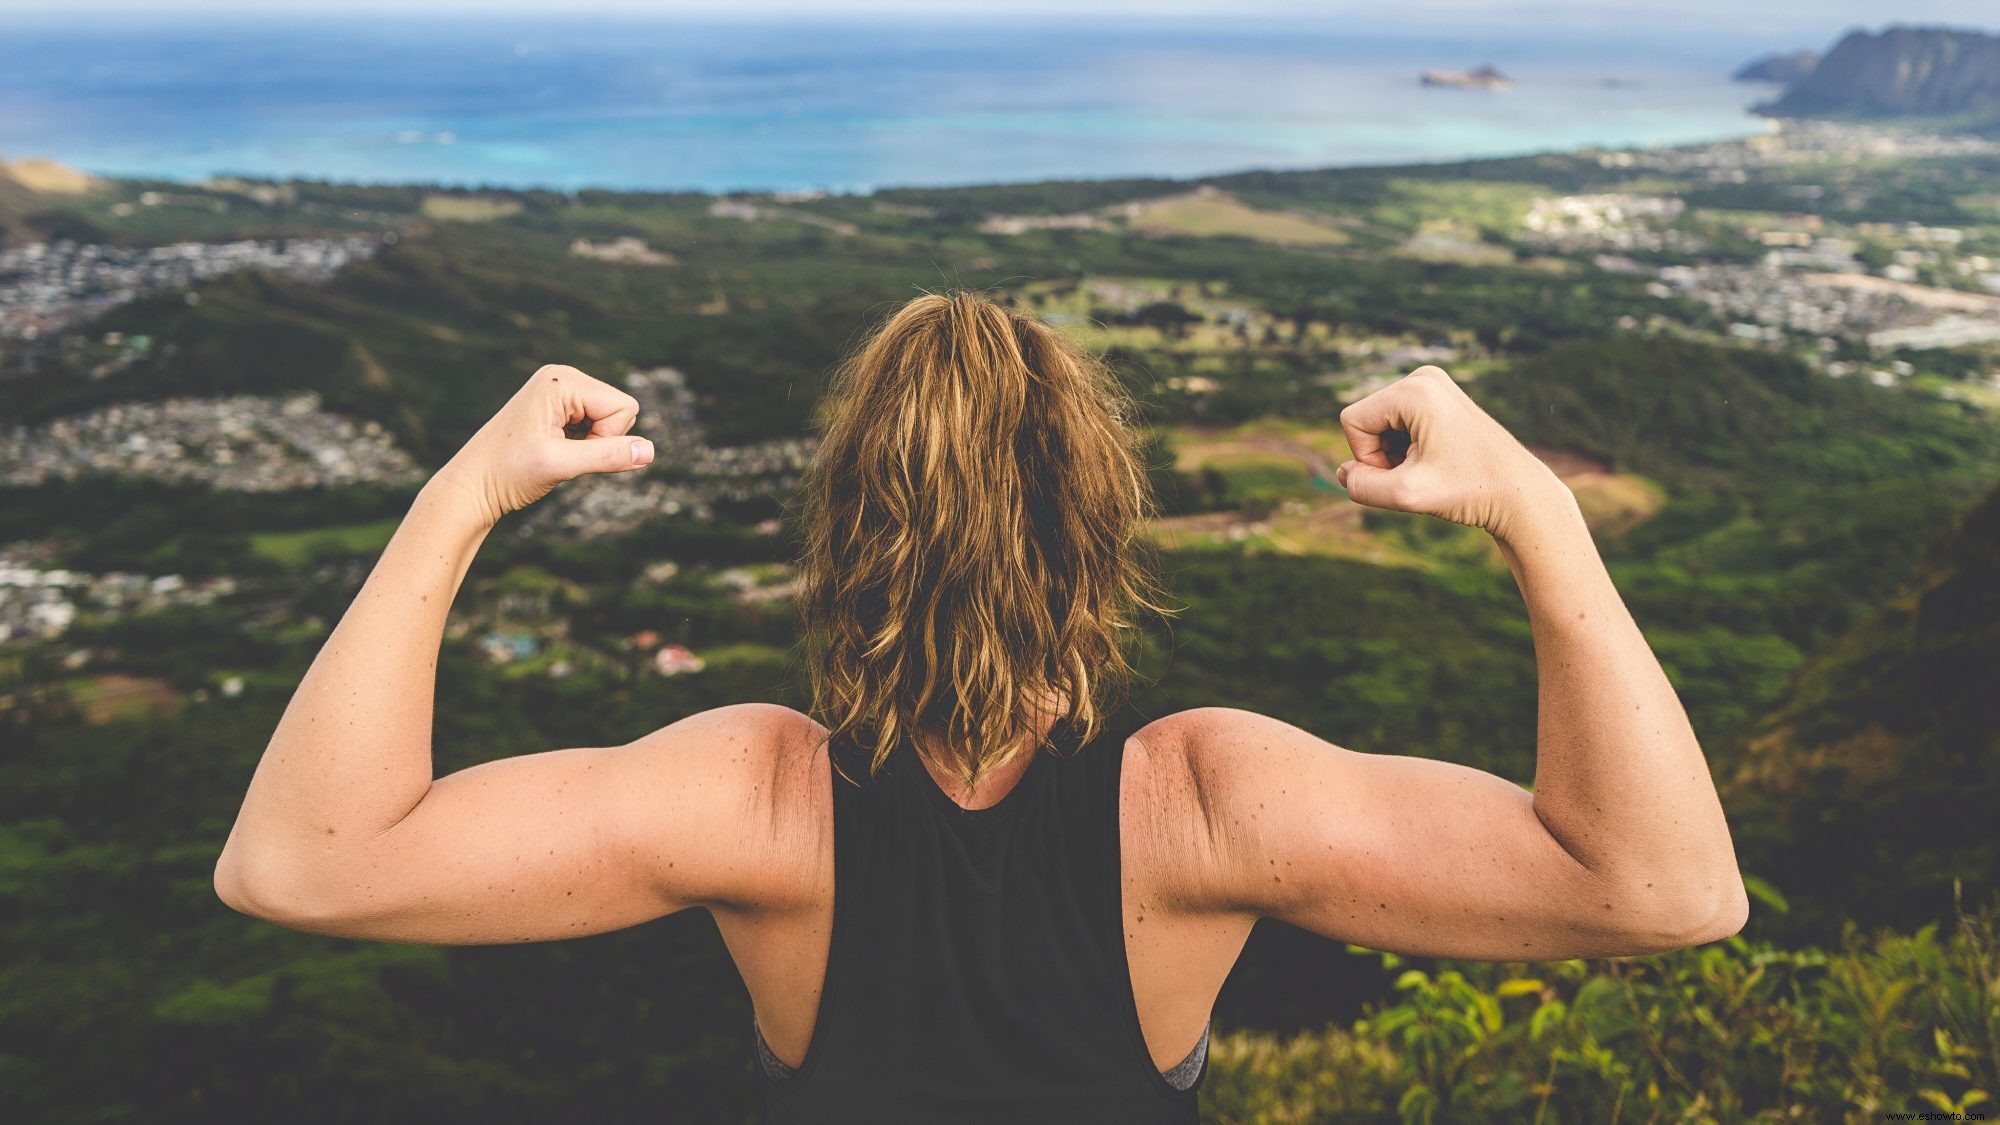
(1620, 779)
(352, 754)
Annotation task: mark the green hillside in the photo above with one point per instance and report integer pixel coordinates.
(1871, 789)
(1806, 527)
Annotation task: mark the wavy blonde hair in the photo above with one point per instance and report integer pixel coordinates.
(972, 559)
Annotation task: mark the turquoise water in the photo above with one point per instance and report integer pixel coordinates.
(842, 105)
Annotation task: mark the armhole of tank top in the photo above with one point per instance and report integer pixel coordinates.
(835, 941)
(1135, 1032)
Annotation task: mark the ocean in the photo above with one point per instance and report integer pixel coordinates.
(834, 104)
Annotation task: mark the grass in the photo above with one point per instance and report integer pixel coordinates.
(1744, 219)
(115, 695)
(1279, 471)
(1195, 445)
(1447, 240)
(1986, 396)
(1256, 478)
(1330, 528)
(1495, 206)
(743, 653)
(468, 208)
(1277, 474)
(297, 548)
(540, 663)
(1986, 206)
(1212, 214)
(1069, 307)
(1263, 462)
(48, 177)
(1617, 502)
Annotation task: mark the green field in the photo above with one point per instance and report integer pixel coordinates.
(297, 548)
(1216, 214)
(469, 208)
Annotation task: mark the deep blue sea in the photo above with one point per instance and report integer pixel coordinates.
(840, 104)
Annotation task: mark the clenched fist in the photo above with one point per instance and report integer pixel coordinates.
(1461, 465)
(525, 450)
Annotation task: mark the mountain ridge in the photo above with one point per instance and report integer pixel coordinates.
(1784, 68)
(1902, 71)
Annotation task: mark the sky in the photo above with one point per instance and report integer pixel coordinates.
(1739, 15)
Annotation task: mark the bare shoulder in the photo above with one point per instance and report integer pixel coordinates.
(1198, 775)
(1225, 781)
(1223, 747)
(746, 743)
(736, 787)
(747, 733)
(1211, 728)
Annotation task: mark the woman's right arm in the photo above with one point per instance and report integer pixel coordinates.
(1622, 848)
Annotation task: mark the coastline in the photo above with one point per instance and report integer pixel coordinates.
(1754, 125)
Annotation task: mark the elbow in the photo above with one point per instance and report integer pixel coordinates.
(1667, 922)
(1721, 915)
(240, 891)
(268, 887)
(246, 882)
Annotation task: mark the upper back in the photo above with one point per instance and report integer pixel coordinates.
(975, 961)
(790, 833)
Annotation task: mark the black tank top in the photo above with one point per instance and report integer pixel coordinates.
(977, 970)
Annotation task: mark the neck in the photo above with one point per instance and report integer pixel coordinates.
(994, 786)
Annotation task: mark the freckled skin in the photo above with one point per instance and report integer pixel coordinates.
(1622, 811)
(587, 840)
(529, 848)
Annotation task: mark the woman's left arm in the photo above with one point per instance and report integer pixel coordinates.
(344, 830)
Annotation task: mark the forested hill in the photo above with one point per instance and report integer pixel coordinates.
(1902, 72)
(16, 198)
(24, 207)
(1874, 785)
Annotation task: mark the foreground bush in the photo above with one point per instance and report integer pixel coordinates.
(1732, 1031)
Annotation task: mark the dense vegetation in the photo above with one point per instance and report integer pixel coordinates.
(1818, 576)
(1736, 1031)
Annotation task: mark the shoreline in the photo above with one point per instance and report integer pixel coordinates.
(1767, 126)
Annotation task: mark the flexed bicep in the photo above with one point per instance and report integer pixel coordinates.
(554, 845)
(1404, 854)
